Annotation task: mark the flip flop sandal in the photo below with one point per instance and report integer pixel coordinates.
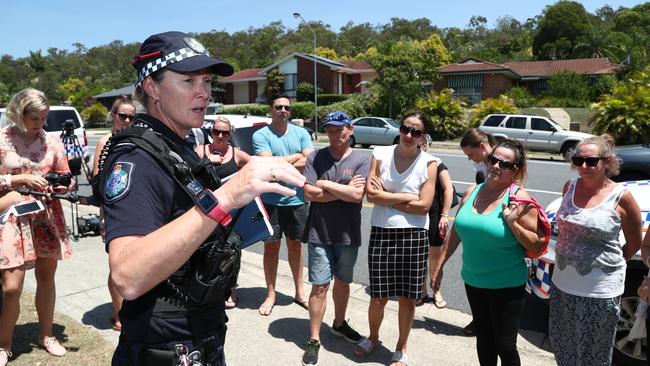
(399, 356)
(439, 301)
(303, 304)
(364, 347)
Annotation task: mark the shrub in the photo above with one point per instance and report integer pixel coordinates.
(95, 114)
(250, 109)
(326, 99)
(570, 88)
(304, 110)
(305, 92)
(445, 113)
(625, 114)
(521, 97)
(503, 104)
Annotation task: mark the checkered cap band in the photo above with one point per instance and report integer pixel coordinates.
(161, 62)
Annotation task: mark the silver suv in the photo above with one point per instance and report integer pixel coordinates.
(536, 133)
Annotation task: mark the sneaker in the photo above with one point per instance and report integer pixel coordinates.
(52, 346)
(310, 357)
(344, 330)
(470, 329)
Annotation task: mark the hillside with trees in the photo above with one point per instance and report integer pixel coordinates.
(405, 52)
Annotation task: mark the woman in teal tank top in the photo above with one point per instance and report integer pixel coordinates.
(495, 234)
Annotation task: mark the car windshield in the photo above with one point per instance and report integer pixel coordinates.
(556, 125)
(392, 122)
(56, 119)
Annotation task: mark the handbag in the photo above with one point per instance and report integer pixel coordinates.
(454, 197)
(541, 218)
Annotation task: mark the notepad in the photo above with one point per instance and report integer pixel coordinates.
(253, 223)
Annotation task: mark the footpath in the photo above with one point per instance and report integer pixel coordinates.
(279, 339)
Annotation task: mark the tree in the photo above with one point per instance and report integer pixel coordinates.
(570, 85)
(625, 114)
(274, 84)
(403, 67)
(560, 28)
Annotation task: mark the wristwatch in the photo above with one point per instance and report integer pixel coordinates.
(211, 207)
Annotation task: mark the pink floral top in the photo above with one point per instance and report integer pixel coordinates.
(25, 238)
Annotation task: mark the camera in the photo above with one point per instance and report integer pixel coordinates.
(68, 128)
(56, 179)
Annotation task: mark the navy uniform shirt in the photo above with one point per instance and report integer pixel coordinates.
(140, 197)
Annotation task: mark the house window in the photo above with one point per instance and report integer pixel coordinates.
(541, 86)
(290, 84)
(467, 87)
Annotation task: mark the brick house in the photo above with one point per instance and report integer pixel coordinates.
(476, 80)
(333, 77)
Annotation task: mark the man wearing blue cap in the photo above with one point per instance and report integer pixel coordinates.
(335, 185)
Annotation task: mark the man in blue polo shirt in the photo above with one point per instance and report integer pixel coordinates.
(287, 214)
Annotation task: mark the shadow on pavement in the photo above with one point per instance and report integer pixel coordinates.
(99, 317)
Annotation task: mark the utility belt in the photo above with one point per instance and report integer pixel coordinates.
(206, 353)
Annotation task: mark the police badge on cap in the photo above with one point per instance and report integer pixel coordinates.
(176, 51)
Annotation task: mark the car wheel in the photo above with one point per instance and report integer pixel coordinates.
(627, 352)
(352, 141)
(396, 140)
(568, 149)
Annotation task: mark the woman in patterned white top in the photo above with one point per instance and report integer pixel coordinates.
(401, 184)
(36, 241)
(590, 261)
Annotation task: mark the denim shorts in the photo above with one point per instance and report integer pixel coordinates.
(287, 220)
(327, 260)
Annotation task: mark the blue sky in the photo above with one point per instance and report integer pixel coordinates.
(40, 24)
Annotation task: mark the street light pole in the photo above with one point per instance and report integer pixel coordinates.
(298, 16)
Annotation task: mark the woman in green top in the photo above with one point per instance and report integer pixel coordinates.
(495, 234)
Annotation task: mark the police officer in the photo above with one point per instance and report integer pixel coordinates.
(167, 219)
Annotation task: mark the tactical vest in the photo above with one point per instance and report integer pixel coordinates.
(207, 277)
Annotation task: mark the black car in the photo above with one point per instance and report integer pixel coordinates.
(636, 162)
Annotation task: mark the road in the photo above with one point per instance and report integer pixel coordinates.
(545, 180)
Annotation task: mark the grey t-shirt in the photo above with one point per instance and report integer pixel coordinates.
(335, 222)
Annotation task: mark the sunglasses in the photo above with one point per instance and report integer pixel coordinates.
(216, 132)
(413, 131)
(503, 164)
(591, 161)
(124, 116)
(279, 107)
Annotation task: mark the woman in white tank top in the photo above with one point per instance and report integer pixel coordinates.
(590, 261)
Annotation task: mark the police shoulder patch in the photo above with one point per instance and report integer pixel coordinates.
(118, 183)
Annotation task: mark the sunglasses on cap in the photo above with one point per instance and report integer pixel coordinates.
(591, 161)
(216, 132)
(279, 107)
(413, 131)
(503, 164)
(124, 116)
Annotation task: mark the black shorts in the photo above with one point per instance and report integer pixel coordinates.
(287, 220)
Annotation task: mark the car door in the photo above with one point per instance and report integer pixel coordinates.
(363, 131)
(380, 132)
(516, 128)
(540, 135)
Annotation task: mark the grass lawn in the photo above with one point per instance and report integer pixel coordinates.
(85, 345)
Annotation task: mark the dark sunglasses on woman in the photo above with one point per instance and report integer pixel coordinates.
(414, 131)
(216, 132)
(124, 116)
(504, 164)
(591, 161)
(279, 107)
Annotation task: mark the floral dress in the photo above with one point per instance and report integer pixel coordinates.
(41, 235)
